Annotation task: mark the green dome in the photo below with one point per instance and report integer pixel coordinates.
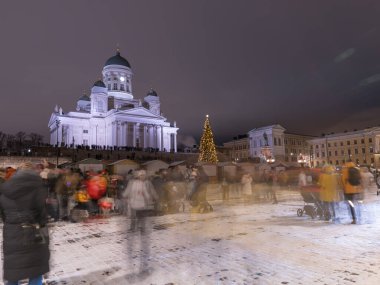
(117, 60)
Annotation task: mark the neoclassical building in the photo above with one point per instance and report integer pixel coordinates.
(111, 116)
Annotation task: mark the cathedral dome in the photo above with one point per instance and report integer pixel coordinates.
(117, 60)
(99, 83)
(152, 93)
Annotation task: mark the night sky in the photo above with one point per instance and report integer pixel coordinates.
(311, 66)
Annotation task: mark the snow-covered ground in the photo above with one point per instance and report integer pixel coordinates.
(236, 244)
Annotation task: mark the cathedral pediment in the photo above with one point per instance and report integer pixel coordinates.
(140, 112)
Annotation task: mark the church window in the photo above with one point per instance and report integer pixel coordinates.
(85, 131)
(99, 106)
(109, 79)
(122, 87)
(115, 86)
(85, 142)
(109, 86)
(128, 88)
(115, 78)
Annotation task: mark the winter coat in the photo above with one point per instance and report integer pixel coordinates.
(330, 186)
(348, 188)
(140, 194)
(22, 201)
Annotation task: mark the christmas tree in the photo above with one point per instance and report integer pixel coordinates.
(207, 151)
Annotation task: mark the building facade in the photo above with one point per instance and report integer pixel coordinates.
(361, 147)
(237, 149)
(112, 117)
(270, 143)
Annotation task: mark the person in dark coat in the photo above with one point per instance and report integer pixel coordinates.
(25, 247)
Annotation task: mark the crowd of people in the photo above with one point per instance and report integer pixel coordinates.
(34, 195)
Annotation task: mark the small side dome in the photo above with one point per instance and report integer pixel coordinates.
(99, 83)
(84, 98)
(117, 60)
(152, 93)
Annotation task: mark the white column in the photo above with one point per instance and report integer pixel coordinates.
(145, 128)
(125, 134)
(159, 145)
(114, 134)
(162, 138)
(175, 142)
(134, 135)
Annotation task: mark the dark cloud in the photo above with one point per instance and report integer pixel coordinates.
(309, 66)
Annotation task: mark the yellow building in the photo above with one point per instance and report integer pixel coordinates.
(362, 147)
(238, 148)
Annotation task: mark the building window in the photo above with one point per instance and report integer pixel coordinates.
(363, 150)
(355, 142)
(109, 86)
(372, 160)
(85, 131)
(371, 149)
(336, 153)
(370, 140)
(362, 141)
(286, 141)
(275, 141)
(341, 143)
(323, 154)
(348, 142)
(356, 151)
(122, 87)
(329, 153)
(328, 145)
(342, 152)
(317, 146)
(85, 142)
(279, 141)
(337, 162)
(335, 144)
(115, 86)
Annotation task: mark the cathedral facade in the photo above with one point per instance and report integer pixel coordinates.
(112, 117)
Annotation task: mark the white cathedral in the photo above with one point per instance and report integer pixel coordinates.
(112, 117)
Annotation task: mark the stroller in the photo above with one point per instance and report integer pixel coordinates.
(313, 206)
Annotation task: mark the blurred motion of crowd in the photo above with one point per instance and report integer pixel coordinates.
(74, 195)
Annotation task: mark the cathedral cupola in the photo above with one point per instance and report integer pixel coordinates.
(152, 102)
(117, 77)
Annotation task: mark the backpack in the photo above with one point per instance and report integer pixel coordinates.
(354, 177)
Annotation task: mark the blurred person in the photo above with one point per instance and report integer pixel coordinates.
(352, 188)
(272, 181)
(246, 182)
(25, 235)
(141, 197)
(330, 184)
(302, 179)
(225, 189)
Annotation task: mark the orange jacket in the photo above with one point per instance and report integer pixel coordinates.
(347, 187)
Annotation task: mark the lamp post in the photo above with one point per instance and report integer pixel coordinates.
(57, 122)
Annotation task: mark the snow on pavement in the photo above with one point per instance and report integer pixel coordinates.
(235, 244)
